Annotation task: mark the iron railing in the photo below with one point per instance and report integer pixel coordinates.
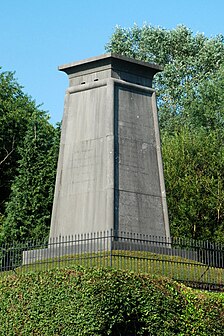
(196, 263)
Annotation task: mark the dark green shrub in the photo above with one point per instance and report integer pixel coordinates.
(80, 302)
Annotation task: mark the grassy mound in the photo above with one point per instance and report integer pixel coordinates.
(78, 301)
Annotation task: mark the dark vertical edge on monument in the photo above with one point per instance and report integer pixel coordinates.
(160, 168)
(116, 163)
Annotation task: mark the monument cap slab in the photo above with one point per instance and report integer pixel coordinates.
(111, 65)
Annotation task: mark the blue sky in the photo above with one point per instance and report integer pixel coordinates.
(39, 35)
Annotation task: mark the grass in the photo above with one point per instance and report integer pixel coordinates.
(177, 268)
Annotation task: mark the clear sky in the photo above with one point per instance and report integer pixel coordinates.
(38, 35)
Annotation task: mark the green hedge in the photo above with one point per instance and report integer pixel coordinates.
(79, 301)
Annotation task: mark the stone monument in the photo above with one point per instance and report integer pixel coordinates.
(110, 173)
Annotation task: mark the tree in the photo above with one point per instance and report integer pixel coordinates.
(189, 61)
(28, 211)
(16, 108)
(194, 172)
(29, 149)
(194, 165)
(191, 114)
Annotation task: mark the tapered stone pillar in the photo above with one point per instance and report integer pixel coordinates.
(110, 173)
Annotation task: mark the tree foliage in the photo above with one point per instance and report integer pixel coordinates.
(194, 171)
(191, 113)
(29, 149)
(29, 208)
(15, 110)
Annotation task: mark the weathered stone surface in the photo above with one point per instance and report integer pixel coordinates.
(110, 173)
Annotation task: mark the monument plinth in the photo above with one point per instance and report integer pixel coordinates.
(110, 173)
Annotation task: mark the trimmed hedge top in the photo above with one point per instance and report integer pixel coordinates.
(78, 301)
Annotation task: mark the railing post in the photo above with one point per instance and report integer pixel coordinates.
(111, 247)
